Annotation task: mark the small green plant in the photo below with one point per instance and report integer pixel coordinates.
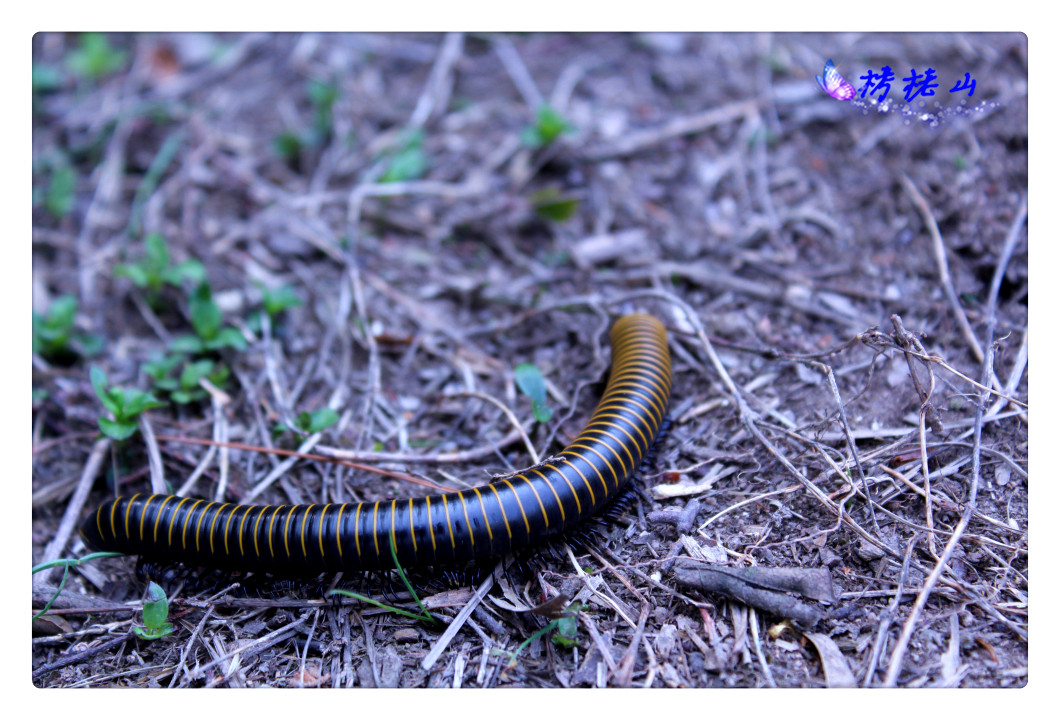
(210, 334)
(551, 205)
(308, 423)
(409, 161)
(94, 57)
(156, 615)
(424, 613)
(154, 270)
(278, 300)
(125, 405)
(564, 629)
(290, 143)
(548, 126)
(58, 183)
(66, 564)
(532, 383)
(185, 388)
(54, 337)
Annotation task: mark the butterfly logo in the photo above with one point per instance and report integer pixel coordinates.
(834, 84)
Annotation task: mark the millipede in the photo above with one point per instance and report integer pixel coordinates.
(509, 513)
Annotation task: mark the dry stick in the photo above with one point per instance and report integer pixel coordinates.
(1013, 379)
(440, 81)
(689, 125)
(753, 619)
(517, 71)
(939, 249)
(154, 457)
(456, 456)
(220, 429)
(995, 285)
(845, 425)
(450, 632)
(509, 414)
(624, 675)
(73, 510)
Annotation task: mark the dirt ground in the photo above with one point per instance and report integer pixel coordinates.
(386, 224)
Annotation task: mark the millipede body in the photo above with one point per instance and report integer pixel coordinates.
(509, 513)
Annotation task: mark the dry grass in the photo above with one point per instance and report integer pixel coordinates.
(846, 296)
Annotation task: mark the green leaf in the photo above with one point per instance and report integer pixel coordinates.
(288, 145)
(117, 430)
(188, 270)
(99, 384)
(409, 162)
(186, 344)
(205, 314)
(227, 337)
(136, 401)
(550, 205)
(278, 300)
(156, 608)
(94, 57)
(322, 419)
(549, 125)
(157, 253)
(135, 273)
(160, 368)
(531, 382)
(194, 372)
(59, 197)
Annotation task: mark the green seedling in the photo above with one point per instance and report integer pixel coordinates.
(308, 423)
(156, 615)
(564, 631)
(125, 405)
(548, 126)
(206, 321)
(94, 57)
(409, 161)
(54, 337)
(532, 383)
(154, 270)
(186, 387)
(278, 300)
(56, 194)
(66, 564)
(290, 143)
(424, 613)
(551, 205)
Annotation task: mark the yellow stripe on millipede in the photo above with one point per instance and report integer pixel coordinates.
(467, 520)
(562, 512)
(522, 510)
(320, 531)
(143, 515)
(338, 529)
(504, 513)
(128, 509)
(305, 516)
(213, 524)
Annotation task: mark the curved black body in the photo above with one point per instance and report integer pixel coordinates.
(510, 512)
